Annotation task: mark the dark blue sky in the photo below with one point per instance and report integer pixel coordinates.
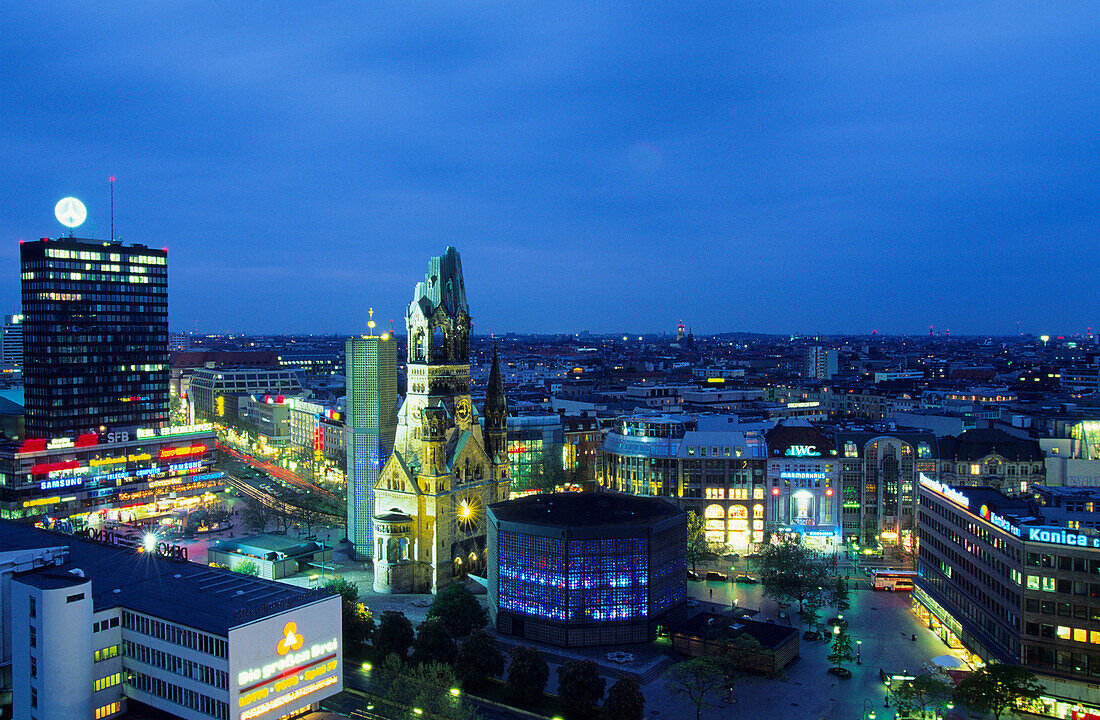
(772, 167)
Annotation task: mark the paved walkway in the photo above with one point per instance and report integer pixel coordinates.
(882, 620)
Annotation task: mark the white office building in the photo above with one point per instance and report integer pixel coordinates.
(91, 626)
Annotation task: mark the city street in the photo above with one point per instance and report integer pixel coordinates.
(881, 620)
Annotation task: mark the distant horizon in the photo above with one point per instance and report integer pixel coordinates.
(659, 335)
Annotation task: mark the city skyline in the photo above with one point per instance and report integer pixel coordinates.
(827, 170)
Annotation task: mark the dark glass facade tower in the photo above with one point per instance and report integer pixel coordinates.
(95, 336)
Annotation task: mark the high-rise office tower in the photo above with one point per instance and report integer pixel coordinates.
(11, 340)
(95, 336)
(371, 413)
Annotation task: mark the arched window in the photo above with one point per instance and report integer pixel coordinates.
(714, 511)
(758, 511)
(738, 511)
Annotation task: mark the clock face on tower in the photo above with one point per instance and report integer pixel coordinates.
(462, 410)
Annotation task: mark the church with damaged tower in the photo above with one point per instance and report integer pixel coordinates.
(445, 470)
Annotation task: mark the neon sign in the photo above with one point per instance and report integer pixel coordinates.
(289, 660)
(185, 450)
(1059, 536)
(60, 483)
(802, 451)
(176, 430)
(945, 490)
(802, 475)
(1004, 524)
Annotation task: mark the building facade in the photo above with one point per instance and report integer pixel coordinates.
(91, 627)
(371, 417)
(989, 457)
(879, 472)
(445, 469)
(999, 579)
(217, 393)
(11, 341)
(95, 336)
(803, 480)
(578, 569)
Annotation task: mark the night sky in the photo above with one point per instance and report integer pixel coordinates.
(758, 166)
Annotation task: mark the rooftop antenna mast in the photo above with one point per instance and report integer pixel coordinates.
(112, 208)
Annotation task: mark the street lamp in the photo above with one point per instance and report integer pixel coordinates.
(868, 710)
(859, 646)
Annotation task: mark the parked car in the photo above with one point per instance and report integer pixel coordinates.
(746, 579)
(692, 575)
(720, 577)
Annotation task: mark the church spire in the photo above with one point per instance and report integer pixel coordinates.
(496, 412)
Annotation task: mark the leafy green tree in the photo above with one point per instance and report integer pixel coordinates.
(393, 635)
(810, 610)
(996, 688)
(924, 693)
(247, 567)
(699, 680)
(433, 643)
(358, 620)
(625, 701)
(841, 651)
(430, 687)
(478, 660)
(459, 610)
(580, 687)
(527, 676)
(698, 547)
(791, 572)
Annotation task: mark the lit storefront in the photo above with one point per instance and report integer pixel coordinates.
(120, 476)
(802, 480)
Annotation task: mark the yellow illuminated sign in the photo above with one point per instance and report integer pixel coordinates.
(96, 462)
(289, 698)
(42, 501)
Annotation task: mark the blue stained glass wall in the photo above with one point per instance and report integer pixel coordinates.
(588, 580)
(532, 575)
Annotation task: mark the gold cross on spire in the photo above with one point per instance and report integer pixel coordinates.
(370, 323)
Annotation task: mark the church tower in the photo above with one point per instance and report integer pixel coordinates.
(496, 417)
(432, 495)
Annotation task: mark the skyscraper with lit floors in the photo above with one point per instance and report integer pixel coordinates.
(371, 368)
(95, 336)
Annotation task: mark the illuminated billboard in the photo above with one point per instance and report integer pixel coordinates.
(285, 662)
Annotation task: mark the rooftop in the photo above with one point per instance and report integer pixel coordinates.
(200, 597)
(584, 509)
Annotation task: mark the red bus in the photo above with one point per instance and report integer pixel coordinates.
(896, 580)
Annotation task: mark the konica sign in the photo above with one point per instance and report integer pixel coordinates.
(285, 662)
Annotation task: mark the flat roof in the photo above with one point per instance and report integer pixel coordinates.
(769, 635)
(584, 509)
(201, 597)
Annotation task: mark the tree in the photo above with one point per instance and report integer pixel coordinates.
(256, 516)
(921, 695)
(841, 651)
(459, 609)
(393, 635)
(791, 571)
(247, 567)
(527, 676)
(580, 687)
(625, 701)
(433, 643)
(698, 548)
(699, 680)
(810, 610)
(429, 688)
(358, 620)
(478, 660)
(838, 595)
(996, 688)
